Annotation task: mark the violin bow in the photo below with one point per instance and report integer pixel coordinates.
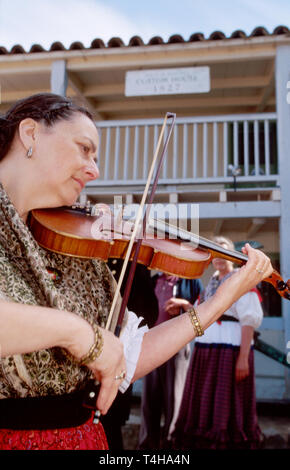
(92, 390)
(128, 286)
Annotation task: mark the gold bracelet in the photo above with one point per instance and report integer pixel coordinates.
(194, 318)
(96, 348)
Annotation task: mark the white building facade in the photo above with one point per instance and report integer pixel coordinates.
(229, 151)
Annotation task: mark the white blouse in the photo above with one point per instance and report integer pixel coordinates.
(131, 337)
(247, 310)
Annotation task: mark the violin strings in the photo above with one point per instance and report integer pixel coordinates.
(136, 225)
(197, 239)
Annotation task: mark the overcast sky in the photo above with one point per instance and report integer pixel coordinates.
(27, 22)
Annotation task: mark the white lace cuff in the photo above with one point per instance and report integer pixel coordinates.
(131, 337)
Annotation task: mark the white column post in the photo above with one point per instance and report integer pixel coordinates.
(58, 78)
(283, 120)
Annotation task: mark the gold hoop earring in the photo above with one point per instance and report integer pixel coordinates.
(29, 152)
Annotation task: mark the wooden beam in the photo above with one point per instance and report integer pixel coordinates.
(181, 56)
(22, 67)
(175, 103)
(268, 91)
(105, 90)
(218, 227)
(76, 84)
(12, 96)
(256, 81)
(78, 87)
(256, 225)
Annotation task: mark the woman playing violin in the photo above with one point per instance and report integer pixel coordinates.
(54, 307)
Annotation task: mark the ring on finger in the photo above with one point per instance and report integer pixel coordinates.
(260, 271)
(121, 376)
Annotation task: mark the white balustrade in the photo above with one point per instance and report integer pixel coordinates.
(201, 150)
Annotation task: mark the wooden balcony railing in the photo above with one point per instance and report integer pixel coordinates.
(209, 149)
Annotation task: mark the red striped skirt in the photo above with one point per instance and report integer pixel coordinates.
(216, 411)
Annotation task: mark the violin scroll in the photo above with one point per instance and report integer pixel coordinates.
(282, 287)
(286, 289)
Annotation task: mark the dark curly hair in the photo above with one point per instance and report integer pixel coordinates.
(46, 107)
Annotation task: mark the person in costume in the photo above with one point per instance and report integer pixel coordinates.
(218, 408)
(53, 307)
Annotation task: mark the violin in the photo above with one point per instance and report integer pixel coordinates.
(75, 232)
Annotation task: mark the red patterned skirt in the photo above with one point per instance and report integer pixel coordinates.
(88, 436)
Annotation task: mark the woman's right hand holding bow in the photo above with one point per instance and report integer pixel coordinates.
(107, 367)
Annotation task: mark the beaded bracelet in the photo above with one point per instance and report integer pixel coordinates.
(95, 350)
(194, 318)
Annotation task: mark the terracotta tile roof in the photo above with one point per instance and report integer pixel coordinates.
(136, 41)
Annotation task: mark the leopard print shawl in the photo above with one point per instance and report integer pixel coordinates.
(85, 287)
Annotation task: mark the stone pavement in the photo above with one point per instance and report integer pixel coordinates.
(274, 421)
